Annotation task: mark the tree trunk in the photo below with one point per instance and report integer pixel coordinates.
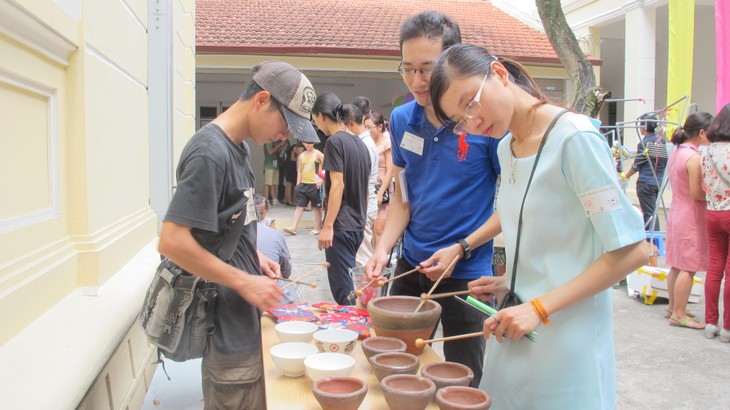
(562, 38)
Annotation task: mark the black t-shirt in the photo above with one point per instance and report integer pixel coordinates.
(347, 154)
(215, 185)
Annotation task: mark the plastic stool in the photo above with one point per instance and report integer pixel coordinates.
(657, 238)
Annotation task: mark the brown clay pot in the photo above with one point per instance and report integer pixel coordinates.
(462, 398)
(340, 393)
(444, 374)
(385, 364)
(381, 344)
(407, 391)
(396, 316)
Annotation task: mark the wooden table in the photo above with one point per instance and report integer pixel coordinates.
(295, 393)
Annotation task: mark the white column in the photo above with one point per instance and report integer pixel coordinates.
(639, 78)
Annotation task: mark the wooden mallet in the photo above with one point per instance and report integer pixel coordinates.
(323, 265)
(448, 269)
(312, 285)
(420, 342)
(381, 283)
(425, 296)
(359, 291)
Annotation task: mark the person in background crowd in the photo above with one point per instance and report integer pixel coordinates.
(262, 210)
(377, 125)
(357, 127)
(444, 190)
(272, 244)
(687, 251)
(215, 190)
(290, 172)
(716, 183)
(650, 166)
(271, 170)
(347, 166)
(578, 236)
(307, 189)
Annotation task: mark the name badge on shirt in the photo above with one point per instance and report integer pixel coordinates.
(413, 143)
(600, 201)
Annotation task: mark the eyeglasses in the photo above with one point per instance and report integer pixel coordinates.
(472, 109)
(411, 72)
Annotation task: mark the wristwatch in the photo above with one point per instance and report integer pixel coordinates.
(467, 249)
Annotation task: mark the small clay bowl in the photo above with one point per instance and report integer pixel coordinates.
(340, 393)
(381, 344)
(444, 374)
(407, 391)
(385, 364)
(462, 398)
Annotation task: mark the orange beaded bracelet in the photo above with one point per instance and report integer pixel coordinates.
(540, 311)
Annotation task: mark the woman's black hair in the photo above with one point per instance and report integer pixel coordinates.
(695, 122)
(467, 60)
(363, 103)
(719, 129)
(330, 105)
(431, 25)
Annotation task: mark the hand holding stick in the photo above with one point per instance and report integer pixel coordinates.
(420, 342)
(311, 285)
(383, 282)
(448, 269)
(323, 265)
(425, 296)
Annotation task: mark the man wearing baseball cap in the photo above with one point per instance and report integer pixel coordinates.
(214, 201)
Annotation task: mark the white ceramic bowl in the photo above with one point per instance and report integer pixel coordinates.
(321, 365)
(295, 331)
(289, 357)
(335, 340)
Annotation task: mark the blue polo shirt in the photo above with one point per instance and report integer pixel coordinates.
(449, 197)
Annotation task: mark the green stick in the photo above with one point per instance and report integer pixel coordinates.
(491, 312)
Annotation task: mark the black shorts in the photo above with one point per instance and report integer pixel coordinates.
(305, 193)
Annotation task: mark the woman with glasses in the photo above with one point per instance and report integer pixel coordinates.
(576, 232)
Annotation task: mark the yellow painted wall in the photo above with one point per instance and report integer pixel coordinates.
(75, 213)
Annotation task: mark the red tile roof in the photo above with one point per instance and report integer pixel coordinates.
(354, 27)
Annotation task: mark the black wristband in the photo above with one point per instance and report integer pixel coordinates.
(467, 249)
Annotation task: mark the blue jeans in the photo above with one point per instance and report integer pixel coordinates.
(341, 257)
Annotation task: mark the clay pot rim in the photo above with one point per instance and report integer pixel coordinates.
(431, 386)
(427, 367)
(444, 390)
(362, 389)
(372, 339)
(436, 308)
(415, 360)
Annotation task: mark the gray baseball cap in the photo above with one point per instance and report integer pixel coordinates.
(291, 88)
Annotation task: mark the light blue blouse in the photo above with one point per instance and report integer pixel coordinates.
(574, 212)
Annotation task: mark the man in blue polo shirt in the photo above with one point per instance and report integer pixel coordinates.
(444, 192)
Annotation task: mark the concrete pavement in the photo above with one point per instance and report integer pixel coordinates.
(659, 366)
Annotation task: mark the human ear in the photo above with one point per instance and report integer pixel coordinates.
(500, 71)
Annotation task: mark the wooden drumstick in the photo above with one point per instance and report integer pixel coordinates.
(448, 269)
(420, 342)
(383, 282)
(324, 265)
(359, 291)
(444, 295)
(312, 285)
